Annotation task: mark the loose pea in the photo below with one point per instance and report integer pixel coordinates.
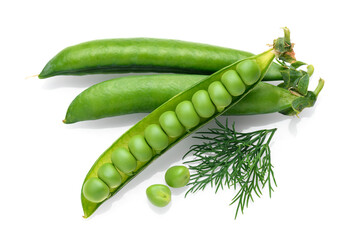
(140, 149)
(108, 173)
(219, 95)
(171, 124)
(233, 83)
(95, 190)
(156, 137)
(202, 104)
(187, 115)
(123, 160)
(159, 195)
(177, 176)
(249, 71)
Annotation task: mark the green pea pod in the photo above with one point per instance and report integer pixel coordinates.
(262, 61)
(121, 96)
(145, 55)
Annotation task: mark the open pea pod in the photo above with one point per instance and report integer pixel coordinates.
(177, 118)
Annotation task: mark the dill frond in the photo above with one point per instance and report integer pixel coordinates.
(230, 159)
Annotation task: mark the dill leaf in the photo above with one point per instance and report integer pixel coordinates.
(230, 159)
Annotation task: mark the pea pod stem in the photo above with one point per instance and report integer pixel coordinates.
(287, 35)
(319, 87)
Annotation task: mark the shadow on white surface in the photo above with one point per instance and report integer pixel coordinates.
(160, 210)
(179, 191)
(295, 120)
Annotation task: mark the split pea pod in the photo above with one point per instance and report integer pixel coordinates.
(121, 96)
(145, 55)
(135, 140)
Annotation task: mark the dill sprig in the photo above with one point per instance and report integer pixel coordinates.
(230, 159)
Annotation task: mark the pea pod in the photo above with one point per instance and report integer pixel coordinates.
(263, 62)
(145, 55)
(121, 96)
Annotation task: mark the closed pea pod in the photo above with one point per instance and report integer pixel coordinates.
(233, 83)
(156, 137)
(109, 175)
(145, 54)
(127, 139)
(95, 190)
(218, 94)
(265, 98)
(123, 160)
(202, 104)
(140, 149)
(187, 115)
(171, 124)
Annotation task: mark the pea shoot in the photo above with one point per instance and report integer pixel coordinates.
(232, 159)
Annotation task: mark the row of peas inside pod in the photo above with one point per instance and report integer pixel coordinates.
(171, 125)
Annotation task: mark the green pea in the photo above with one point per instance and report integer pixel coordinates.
(156, 137)
(187, 115)
(233, 83)
(202, 104)
(159, 195)
(108, 173)
(249, 71)
(95, 190)
(177, 176)
(123, 160)
(219, 95)
(171, 124)
(140, 149)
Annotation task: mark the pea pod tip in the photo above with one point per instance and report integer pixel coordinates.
(32, 76)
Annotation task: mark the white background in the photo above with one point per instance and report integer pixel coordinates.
(44, 162)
